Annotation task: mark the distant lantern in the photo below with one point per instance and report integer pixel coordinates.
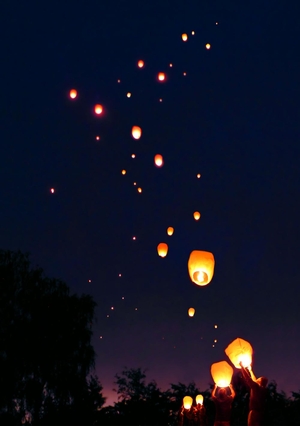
(128, 95)
(140, 63)
(97, 138)
(207, 46)
(123, 172)
(239, 351)
(221, 373)
(162, 249)
(197, 215)
(52, 190)
(132, 155)
(136, 132)
(191, 312)
(73, 94)
(187, 402)
(161, 76)
(184, 37)
(198, 176)
(170, 65)
(139, 190)
(170, 230)
(158, 160)
(98, 109)
(201, 267)
(193, 32)
(199, 399)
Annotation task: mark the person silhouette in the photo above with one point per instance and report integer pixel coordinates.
(223, 404)
(258, 393)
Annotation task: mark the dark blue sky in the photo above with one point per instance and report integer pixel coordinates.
(234, 118)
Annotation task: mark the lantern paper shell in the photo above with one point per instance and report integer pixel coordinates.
(201, 266)
(197, 215)
(199, 399)
(158, 160)
(191, 312)
(184, 37)
(136, 132)
(239, 350)
(73, 93)
(187, 402)
(221, 373)
(162, 249)
(170, 230)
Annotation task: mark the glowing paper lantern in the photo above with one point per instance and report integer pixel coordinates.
(199, 399)
(161, 76)
(73, 94)
(197, 215)
(201, 267)
(140, 63)
(123, 172)
(136, 132)
(158, 160)
(221, 373)
(98, 109)
(207, 46)
(128, 95)
(191, 312)
(184, 37)
(239, 350)
(187, 402)
(139, 190)
(162, 249)
(198, 176)
(170, 230)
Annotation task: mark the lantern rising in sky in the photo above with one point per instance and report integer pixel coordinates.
(73, 93)
(158, 160)
(207, 46)
(98, 109)
(170, 230)
(221, 373)
(136, 132)
(197, 215)
(162, 249)
(201, 267)
(184, 37)
(239, 351)
(140, 63)
(161, 76)
(191, 312)
(123, 172)
(187, 402)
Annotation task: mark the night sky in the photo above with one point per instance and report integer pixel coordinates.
(233, 118)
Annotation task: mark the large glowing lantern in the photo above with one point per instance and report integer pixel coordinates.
(191, 312)
(221, 373)
(197, 215)
(201, 267)
(184, 37)
(170, 230)
(239, 351)
(158, 160)
(162, 249)
(98, 109)
(136, 132)
(199, 399)
(187, 402)
(73, 93)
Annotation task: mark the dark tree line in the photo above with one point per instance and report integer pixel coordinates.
(47, 364)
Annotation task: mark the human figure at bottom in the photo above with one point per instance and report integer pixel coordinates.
(223, 404)
(258, 393)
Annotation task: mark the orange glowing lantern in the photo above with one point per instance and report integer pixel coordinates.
(187, 402)
(158, 160)
(98, 109)
(161, 76)
(199, 399)
(197, 215)
(198, 176)
(191, 312)
(239, 351)
(136, 132)
(170, 230)
(73, 94)
(141, 63)
(128, 95)
(207, 46)
(123, 172)
(184, 37)
(201, 267)
(139, 190)
(221, 373)
(162, 249)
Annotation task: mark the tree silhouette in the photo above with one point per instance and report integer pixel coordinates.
(46, 356)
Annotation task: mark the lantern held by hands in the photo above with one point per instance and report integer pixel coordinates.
(187, 402)
(221, 373)
(239, 351)
(199, 399)
(201, 267)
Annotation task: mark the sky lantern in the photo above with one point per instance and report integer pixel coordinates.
(184, 37)
(207, 46)
(199, 399)
(139, 190)
(221, 373)
(162, 249)
(191, 312)
(128, 95)
(201, 267)
(170, 230)
(161, 76)
(198, 176)
(98, 109)
(73, 93)
(123, 172)
(193, 32)
(52, 190)
(140, 63)
(136, 132)
(158, 160)
(239, 350)
(187, 402)
(197, 215)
